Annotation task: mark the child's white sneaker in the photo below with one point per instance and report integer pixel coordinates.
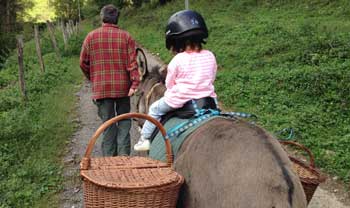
(142, 145)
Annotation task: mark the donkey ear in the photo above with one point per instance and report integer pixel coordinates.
(162, 72)
(141, 62)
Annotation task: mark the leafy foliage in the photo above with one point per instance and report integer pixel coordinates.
(11, 21)
(117, 3)
(66, 9)
(41, 11)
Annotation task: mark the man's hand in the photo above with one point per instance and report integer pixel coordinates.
(131, 92)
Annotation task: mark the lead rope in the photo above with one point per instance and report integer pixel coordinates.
(148, 96)
(289, 131)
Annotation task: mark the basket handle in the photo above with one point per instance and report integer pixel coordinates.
(312, 160)
(85, 163)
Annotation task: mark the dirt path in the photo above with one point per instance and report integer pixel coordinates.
(328, 195)
(72, 195)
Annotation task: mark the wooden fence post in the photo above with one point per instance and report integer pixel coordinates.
(53, 39)
(22, 85)
(69, 31)
(77, 24)
(65, 35)
(71, 23)
(38, 48)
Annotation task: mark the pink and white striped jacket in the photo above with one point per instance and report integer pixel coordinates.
(191, 75)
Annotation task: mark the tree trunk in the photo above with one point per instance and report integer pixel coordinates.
(7, 26)
(162, 2)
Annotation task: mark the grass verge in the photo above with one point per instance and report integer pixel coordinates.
(34, 133)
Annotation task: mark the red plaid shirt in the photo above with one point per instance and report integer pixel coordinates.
(108, 60)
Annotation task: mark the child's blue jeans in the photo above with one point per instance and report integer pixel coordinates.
(157, 110)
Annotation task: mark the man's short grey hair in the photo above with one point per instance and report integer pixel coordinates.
(109, 14)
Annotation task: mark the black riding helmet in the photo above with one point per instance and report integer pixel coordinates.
(184, 24)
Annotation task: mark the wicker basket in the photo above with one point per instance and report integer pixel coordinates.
(125, 181)
(310, 177)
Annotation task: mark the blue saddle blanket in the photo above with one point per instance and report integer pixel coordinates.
(157, 150)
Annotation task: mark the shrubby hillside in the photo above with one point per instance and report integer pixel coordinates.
(285, 61)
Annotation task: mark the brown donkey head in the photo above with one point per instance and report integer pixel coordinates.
(151, 88)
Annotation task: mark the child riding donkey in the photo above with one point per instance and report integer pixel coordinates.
(190, 74)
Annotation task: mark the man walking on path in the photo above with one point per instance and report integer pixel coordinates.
(108, 60)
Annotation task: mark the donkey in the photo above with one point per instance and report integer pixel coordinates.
(229, 162)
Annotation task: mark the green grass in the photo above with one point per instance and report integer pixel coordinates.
(34, 134)
(285, 61)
